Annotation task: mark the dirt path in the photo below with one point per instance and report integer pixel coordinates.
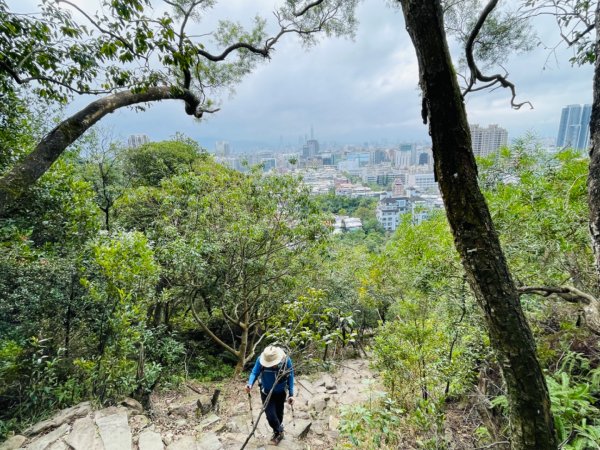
(176, 422)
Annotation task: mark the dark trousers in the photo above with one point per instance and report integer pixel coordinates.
(274, 410)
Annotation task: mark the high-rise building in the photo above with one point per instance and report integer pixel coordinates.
(405, 155)
(222, 148)
(313, 147)
(379, 156)
(574, 128)
(487, 140)
(137, 140)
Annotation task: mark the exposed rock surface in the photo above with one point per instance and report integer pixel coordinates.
(150, 440)
(14, 442)
(114, 431)
(84, 435)
(177, 423)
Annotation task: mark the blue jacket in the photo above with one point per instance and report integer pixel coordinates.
(268, 375)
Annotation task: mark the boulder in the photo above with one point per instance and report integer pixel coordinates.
(327, 381)
(300, 429)
(319, 404)
(333, 423)
(132, 404)
(110, 411)
(168, 438)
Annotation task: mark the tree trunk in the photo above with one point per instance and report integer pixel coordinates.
(34, 165)
(474, 234)
(243, 348)
(594, 174)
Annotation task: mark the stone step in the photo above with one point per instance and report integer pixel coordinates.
(150, 440)
(114, 431)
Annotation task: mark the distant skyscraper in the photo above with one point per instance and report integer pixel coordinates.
(405, 155)
(574, 128)
(223, 148)
(313, 147)
(137, 140)
(487, 140)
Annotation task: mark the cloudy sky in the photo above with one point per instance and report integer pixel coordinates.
(355, 91)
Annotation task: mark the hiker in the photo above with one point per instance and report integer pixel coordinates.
(276, 372)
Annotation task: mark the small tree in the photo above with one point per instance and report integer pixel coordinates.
(232, 247)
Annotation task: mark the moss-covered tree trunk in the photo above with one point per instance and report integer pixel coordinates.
(594, 174)
(474, 234)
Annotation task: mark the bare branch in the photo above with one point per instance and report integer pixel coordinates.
(307, 8)
(476, 74)
(568, 293)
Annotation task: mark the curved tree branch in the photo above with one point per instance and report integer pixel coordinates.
(34, 165)
(476, 74)
(568, 293)
(14, 74)
(307, 8)
(591, 305)
(212, 335)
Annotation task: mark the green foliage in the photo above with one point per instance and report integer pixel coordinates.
(33, 382)
(541, 215)
(80, 52)
(574, 391)
(310, 322)
(427, 348)
(231, 245)
(575, 20)
(120, 280)
(207, 368)
(539, 205)
(370, 427)
(384, 424)
(153, 162)
(17, 130)
(503, 33)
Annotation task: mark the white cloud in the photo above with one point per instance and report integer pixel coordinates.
(356, 91)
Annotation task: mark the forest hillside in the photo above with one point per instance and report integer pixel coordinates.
(134, 276)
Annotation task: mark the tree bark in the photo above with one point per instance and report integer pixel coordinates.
(34, 165)
(474, 235)
(593, 181)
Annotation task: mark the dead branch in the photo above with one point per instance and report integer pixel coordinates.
(476, 74)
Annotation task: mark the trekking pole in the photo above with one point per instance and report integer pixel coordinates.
(293, 415)
(251, 412)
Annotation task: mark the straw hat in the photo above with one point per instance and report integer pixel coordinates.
(271, 356)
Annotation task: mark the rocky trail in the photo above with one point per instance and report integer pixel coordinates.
(185, 420)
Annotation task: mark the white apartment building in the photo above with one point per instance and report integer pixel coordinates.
(425, 181)
(346, 223)
(389, 210)
(487, 140)
(137, 140)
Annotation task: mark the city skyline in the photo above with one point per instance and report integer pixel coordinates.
(356, 91)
